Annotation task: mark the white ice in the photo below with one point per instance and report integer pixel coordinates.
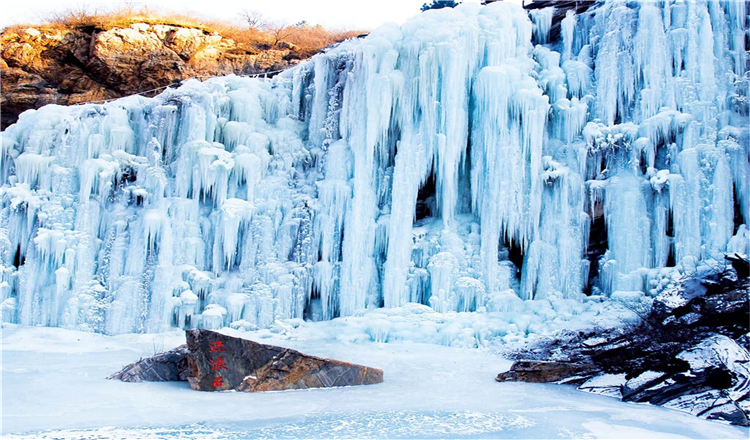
(54, 386)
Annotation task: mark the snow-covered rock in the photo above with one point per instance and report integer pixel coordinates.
(168, 366)
(605, 384)
(689, 353)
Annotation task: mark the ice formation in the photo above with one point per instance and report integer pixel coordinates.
(466, 160)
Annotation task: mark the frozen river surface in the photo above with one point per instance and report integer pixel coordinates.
(54, 386)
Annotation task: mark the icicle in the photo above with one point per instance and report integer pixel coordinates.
(443, 270)
(235, 215)
(615, 86)
(510, 114)
(628, 233)
(567, 29)
(30, 167)
(578, 77)
(542, 19)
(652, 62)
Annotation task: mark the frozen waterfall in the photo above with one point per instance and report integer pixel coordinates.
(451, 161)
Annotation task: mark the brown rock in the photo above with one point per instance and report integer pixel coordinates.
(540, 371)
(49, 65)
(221, 362)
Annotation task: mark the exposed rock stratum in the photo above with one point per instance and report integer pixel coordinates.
(50, 65)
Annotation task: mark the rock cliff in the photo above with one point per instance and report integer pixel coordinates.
(52, 65)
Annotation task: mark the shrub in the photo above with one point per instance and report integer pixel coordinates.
(254, 30)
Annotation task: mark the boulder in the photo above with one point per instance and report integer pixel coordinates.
(220, 362)
(163, 367)
(542, 371)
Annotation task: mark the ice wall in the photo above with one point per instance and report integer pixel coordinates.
(451, 161)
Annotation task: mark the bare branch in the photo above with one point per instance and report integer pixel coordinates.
(253, 19)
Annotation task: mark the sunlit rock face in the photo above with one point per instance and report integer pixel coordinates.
(450, 162)
(68, 65)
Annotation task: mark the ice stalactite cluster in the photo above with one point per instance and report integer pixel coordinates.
(466, 159)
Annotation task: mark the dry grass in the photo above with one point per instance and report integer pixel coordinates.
(255, 31)
(92, 15)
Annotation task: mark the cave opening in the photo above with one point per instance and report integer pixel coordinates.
(426, 199)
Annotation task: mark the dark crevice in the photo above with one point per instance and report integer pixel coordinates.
(127, 176)
(642, 163)
(515, 255)
(309, 314)
(671, 257)
(19, 259)
(738, 220)
(670, 225)
(426, 199)
(597, 246)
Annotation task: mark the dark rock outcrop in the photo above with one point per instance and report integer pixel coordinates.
(221, 362)
(163, 367)
(561, 8)
(690, 353)
(741, 265)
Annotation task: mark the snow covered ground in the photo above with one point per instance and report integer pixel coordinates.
(54, 386)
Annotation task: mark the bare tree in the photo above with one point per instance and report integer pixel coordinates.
(279, 31)
(254, 19)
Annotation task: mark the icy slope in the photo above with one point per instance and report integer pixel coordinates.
(448, 162)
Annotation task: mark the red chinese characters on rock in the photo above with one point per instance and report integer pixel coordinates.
(217, 347)
(219, 363)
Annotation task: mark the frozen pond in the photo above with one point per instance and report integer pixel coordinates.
(382, 424)
(54, 387)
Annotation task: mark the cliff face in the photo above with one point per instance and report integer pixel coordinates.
(46, 65)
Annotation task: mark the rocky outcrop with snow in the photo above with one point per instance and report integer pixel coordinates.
(690, 353)
(168, 366)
